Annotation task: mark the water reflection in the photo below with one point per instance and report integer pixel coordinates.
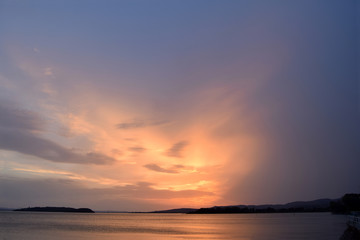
(56, 226)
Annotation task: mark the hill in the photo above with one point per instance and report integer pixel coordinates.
(320, 205)
(177, 210)
(55, 209)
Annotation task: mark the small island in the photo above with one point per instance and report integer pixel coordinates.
(55, 209)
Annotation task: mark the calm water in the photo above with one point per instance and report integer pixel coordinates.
(54, 226)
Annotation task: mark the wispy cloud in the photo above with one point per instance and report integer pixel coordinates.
(67, 174)
(157, 168)
(137, 149)
(139, 123)
(18, 132)
(136, 123)
(177, 149)
(49, 72)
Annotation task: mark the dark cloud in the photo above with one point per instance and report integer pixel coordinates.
(137, 149)
(17, 134)
(13, 117)
(31, 144)
(177, 149)
(138, 123)
(157, 168)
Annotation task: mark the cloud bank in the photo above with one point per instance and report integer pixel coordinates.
(19, 132)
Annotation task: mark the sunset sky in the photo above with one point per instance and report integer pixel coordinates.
(146, 105)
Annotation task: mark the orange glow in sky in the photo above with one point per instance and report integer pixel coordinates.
(171, 104)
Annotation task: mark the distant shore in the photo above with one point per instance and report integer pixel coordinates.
(55, 209)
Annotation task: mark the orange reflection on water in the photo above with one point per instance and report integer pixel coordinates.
(56, 226)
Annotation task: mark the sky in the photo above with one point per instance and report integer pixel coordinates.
(147, 105)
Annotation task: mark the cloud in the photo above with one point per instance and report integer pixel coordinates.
(31, 144)
(117, 151)
(49, 72)
(22, 192)
(18, 132)
(137, 149)
(138, 123)
(12, 117)
(177, 149)
(157, 168)
(147, 190)
(133, 124)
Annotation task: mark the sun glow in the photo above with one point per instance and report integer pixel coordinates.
(192, 152)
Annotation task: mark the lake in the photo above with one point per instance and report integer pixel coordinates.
(137, 226)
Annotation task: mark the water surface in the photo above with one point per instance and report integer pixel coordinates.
(134, 226)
